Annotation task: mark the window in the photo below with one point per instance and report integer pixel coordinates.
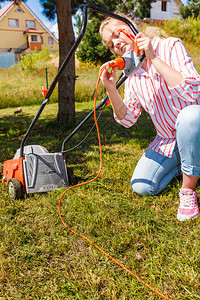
(19, 9)
(30, 24)
(164, 5)
(41, 40)
(34, 38)
(13, 22)
(50, 41)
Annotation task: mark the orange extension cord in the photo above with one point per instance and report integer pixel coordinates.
(84, 183)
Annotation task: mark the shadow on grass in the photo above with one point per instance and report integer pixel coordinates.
(47, 133)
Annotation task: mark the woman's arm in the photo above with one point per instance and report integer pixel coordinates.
(170, 75)
(109, 81)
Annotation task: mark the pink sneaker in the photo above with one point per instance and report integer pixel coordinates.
(188, 207)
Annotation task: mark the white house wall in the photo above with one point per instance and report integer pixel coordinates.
(176, 10)
(157, 13)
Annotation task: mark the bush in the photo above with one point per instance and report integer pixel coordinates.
(29, 60)
(192, 9)
(92, 49)
(187, 30)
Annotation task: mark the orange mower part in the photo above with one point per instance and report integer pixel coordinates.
(13, 168)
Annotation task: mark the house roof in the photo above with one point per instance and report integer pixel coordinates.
(31, 30)
(179, 2)
(4, 11)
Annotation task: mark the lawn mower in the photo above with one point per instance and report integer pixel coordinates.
(33, 169)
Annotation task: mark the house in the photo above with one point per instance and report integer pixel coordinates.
(165, 9)
(21, 29)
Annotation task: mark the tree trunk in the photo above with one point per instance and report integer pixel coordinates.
(66, 84)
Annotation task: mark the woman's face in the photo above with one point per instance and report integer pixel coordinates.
(117, 41)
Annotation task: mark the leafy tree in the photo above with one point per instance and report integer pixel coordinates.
(92, 49)
(192, 9)
(136, 8)
(49, 8)
(143, 9)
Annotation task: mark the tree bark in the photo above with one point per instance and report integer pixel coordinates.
(66, 84)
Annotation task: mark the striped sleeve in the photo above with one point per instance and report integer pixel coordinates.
(189, 88)
(133, 107)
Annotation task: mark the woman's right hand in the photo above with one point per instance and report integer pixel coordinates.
(108, 77)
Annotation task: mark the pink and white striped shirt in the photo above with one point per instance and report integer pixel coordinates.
(148, 90)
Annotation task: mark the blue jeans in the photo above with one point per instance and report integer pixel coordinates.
(155, 171)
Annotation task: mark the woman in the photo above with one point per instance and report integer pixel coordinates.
(168, 88)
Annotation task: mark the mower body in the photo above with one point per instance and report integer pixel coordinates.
(37, 171)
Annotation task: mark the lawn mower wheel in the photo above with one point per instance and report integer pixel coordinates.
(15, 188)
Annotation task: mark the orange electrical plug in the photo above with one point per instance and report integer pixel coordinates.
(117, 62)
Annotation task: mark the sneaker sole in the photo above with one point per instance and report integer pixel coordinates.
(181, 217)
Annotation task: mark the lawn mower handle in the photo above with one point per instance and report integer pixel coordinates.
(102, 103)
(68, 57)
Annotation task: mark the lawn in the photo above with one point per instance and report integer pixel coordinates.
(41, 259)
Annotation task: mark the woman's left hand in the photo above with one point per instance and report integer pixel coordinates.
(144, 44)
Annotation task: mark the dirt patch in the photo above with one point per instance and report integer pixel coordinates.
(152, 31)
(55, 61)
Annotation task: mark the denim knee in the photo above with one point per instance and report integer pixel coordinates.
(143, 188)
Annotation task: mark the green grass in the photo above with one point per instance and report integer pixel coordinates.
(40, 259)
(22, 86)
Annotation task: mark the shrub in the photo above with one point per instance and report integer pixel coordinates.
(29, 60)
(187, 30)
